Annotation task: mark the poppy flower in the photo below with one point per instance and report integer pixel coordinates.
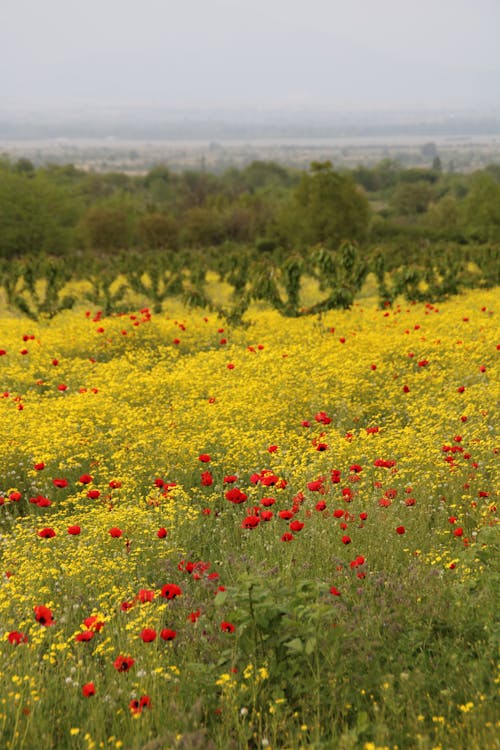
(287, 537)
(94, 623)
(227, 627)
(115, 484)
(148, 635)
(235, 496)
(334, 590)
(86, 479)
(43, 615)
(88, 689)
(60, 483)
(115, 532)
(346, 539)
(74, 530)
(145, 595)
(250, 522)
(167, 634)
(267, 502)
(39, 466)
(161, 533)
(204, 458)
(85, 635)
(230, 479)
(321, 505)
(62, 387)
(15, 496)
(123, 663)
(46, 533)
(266, 515)
(458, 531)
(286, 515)
(137, 706)
(93, 494)
(296, 526)
(400, 530)
(207, 479)
(170, 591)
(272, 449)
(15, 637)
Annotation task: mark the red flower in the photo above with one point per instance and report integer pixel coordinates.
(62, 387)
(321, 505)
(123, 663)
(15, 637)
(286, 515)
(85, 635)
(227, 627)
(230, 479)
(115, 484)
(148, 635)
(93, 494)
(93, 623)
(204, 458)
(266, 515)
(88, 689)
(170, 591)
(287, 537)
(115, 532)
(235, 496)
(74, 530)
(137, 706)
(267, 502)
(296, 526)
(272, 448)
(207, 479)
(168, 635)
(161, 533)
(346, 539)
(458, 531)
(61, 483)
(86, 479)
(400, 530)
(250, 522)
(145, 595)
(46, 533)
(230, 366)
(39, 466)
(335, 591)
(43, 615)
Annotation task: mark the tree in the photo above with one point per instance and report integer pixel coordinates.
(327, 208)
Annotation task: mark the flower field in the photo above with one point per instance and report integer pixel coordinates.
(278, 535)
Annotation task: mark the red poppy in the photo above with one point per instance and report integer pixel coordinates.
(60, 483)
(346, 539)
(335, 591)
(230, 479)
(250, 522)
(115, 484)
(93, 494)
(321, 505)
(204, 458)
(43, 615)
(88, 689)
(86, 479)
(287, 537)
(137, 706)
(168, 635)
(74, 530)
(161, 533)
(296, 526)
(272, 449)
(235, 496)
(148, 635)
(85, 635)
(115, 532)
(145, 595)
(62, 387)
(170, 591)
(46, 533)
(207, 479)
(123, 663)
(322, 418)
(39, 466)
(400, 530)
(266, 515)
(227, 627)
(93, 623)
(458, 531)
(230, 366)
(15, 637)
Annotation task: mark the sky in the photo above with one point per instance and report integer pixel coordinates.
(338, 55)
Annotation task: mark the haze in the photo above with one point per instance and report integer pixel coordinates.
(326, 54)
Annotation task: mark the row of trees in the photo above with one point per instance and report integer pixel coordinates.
(58, 210)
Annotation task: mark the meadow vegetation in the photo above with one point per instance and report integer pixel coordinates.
(227, 526)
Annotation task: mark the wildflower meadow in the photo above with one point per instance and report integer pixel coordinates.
(276, 534)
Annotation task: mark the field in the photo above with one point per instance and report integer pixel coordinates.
(276, 535)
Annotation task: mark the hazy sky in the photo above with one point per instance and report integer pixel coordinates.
(331, 54)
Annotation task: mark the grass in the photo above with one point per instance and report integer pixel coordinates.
(345, 597)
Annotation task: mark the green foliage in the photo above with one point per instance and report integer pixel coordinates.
(326, 208)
